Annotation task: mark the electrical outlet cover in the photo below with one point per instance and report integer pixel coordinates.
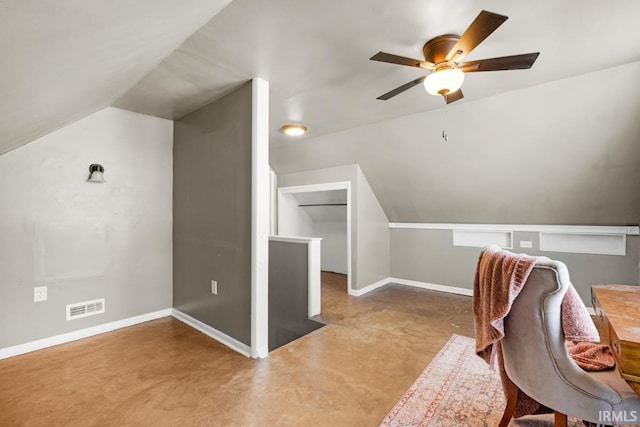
(39, 293)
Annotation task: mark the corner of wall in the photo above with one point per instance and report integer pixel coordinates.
(373, 235)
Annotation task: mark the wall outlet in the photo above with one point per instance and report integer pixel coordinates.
(526, 244)
(214, 287)
(39, 293)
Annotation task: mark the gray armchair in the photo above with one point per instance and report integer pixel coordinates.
(536, 358)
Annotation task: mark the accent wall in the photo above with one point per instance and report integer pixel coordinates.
(212, 214)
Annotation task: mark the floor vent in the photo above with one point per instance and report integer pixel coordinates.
(84, 309)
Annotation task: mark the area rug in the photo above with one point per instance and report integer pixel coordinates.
(458, 389)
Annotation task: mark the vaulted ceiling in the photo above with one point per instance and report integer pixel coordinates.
(315, 54)
(64, 60)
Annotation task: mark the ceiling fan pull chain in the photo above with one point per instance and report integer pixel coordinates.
(445, 135)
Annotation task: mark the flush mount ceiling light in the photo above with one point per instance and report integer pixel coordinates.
(96, 173)
(294, 130)
(444, 82)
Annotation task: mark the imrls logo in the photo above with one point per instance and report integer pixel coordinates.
(618, 416)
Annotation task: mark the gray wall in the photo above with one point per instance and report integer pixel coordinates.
(429, 256)
(369, 224)
(86, 241)
(212, 214)
(373, 236)
(288, 293)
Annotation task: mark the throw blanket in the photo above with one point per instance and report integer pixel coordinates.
(500, 276)
(590, 356)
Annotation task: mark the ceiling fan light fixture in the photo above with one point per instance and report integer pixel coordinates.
(294, 130)
(444, 82)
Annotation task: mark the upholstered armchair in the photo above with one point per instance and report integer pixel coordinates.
(537, 362)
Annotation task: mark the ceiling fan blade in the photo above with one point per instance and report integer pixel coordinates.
(400, 60)
(402, 88)
(481, 27)
(514, 62)
(454, 96)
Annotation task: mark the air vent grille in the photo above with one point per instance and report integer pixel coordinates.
(84, 309)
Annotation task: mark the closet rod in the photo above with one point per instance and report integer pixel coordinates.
(323, 204)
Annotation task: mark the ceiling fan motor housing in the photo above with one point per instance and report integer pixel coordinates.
(443, 56)
(437, 49)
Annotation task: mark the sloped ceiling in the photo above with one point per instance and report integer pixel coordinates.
(563, 152)
(315, 54)
(63, 60)
(554, 144)
(66, 59)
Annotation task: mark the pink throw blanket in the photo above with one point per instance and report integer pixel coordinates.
(590, 356)
(500, 276)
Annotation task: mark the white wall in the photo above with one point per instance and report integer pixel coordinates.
(82, 240)
(293, 221)
(333, 245)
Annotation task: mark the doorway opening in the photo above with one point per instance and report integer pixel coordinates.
(320, 210)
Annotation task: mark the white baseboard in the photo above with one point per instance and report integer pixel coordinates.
(414, 283)
(212, 332)
(81, 333)
(260, 353)
(368, 288)
(423, 285)
(432, 286)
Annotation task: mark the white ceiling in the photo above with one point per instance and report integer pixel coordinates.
(63, 60)
(564, 152)
(316, 55)
(66, 59)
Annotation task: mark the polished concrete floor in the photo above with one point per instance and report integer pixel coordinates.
(163, 373)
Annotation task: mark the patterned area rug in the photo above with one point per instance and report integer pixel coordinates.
(458, 389)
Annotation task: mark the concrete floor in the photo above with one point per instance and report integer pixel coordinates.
(349, 373)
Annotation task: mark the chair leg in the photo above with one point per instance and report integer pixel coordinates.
(512, 399)
(560, 420)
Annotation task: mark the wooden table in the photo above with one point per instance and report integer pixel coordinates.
(617, 308)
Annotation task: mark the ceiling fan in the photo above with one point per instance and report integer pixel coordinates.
(443, 56)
